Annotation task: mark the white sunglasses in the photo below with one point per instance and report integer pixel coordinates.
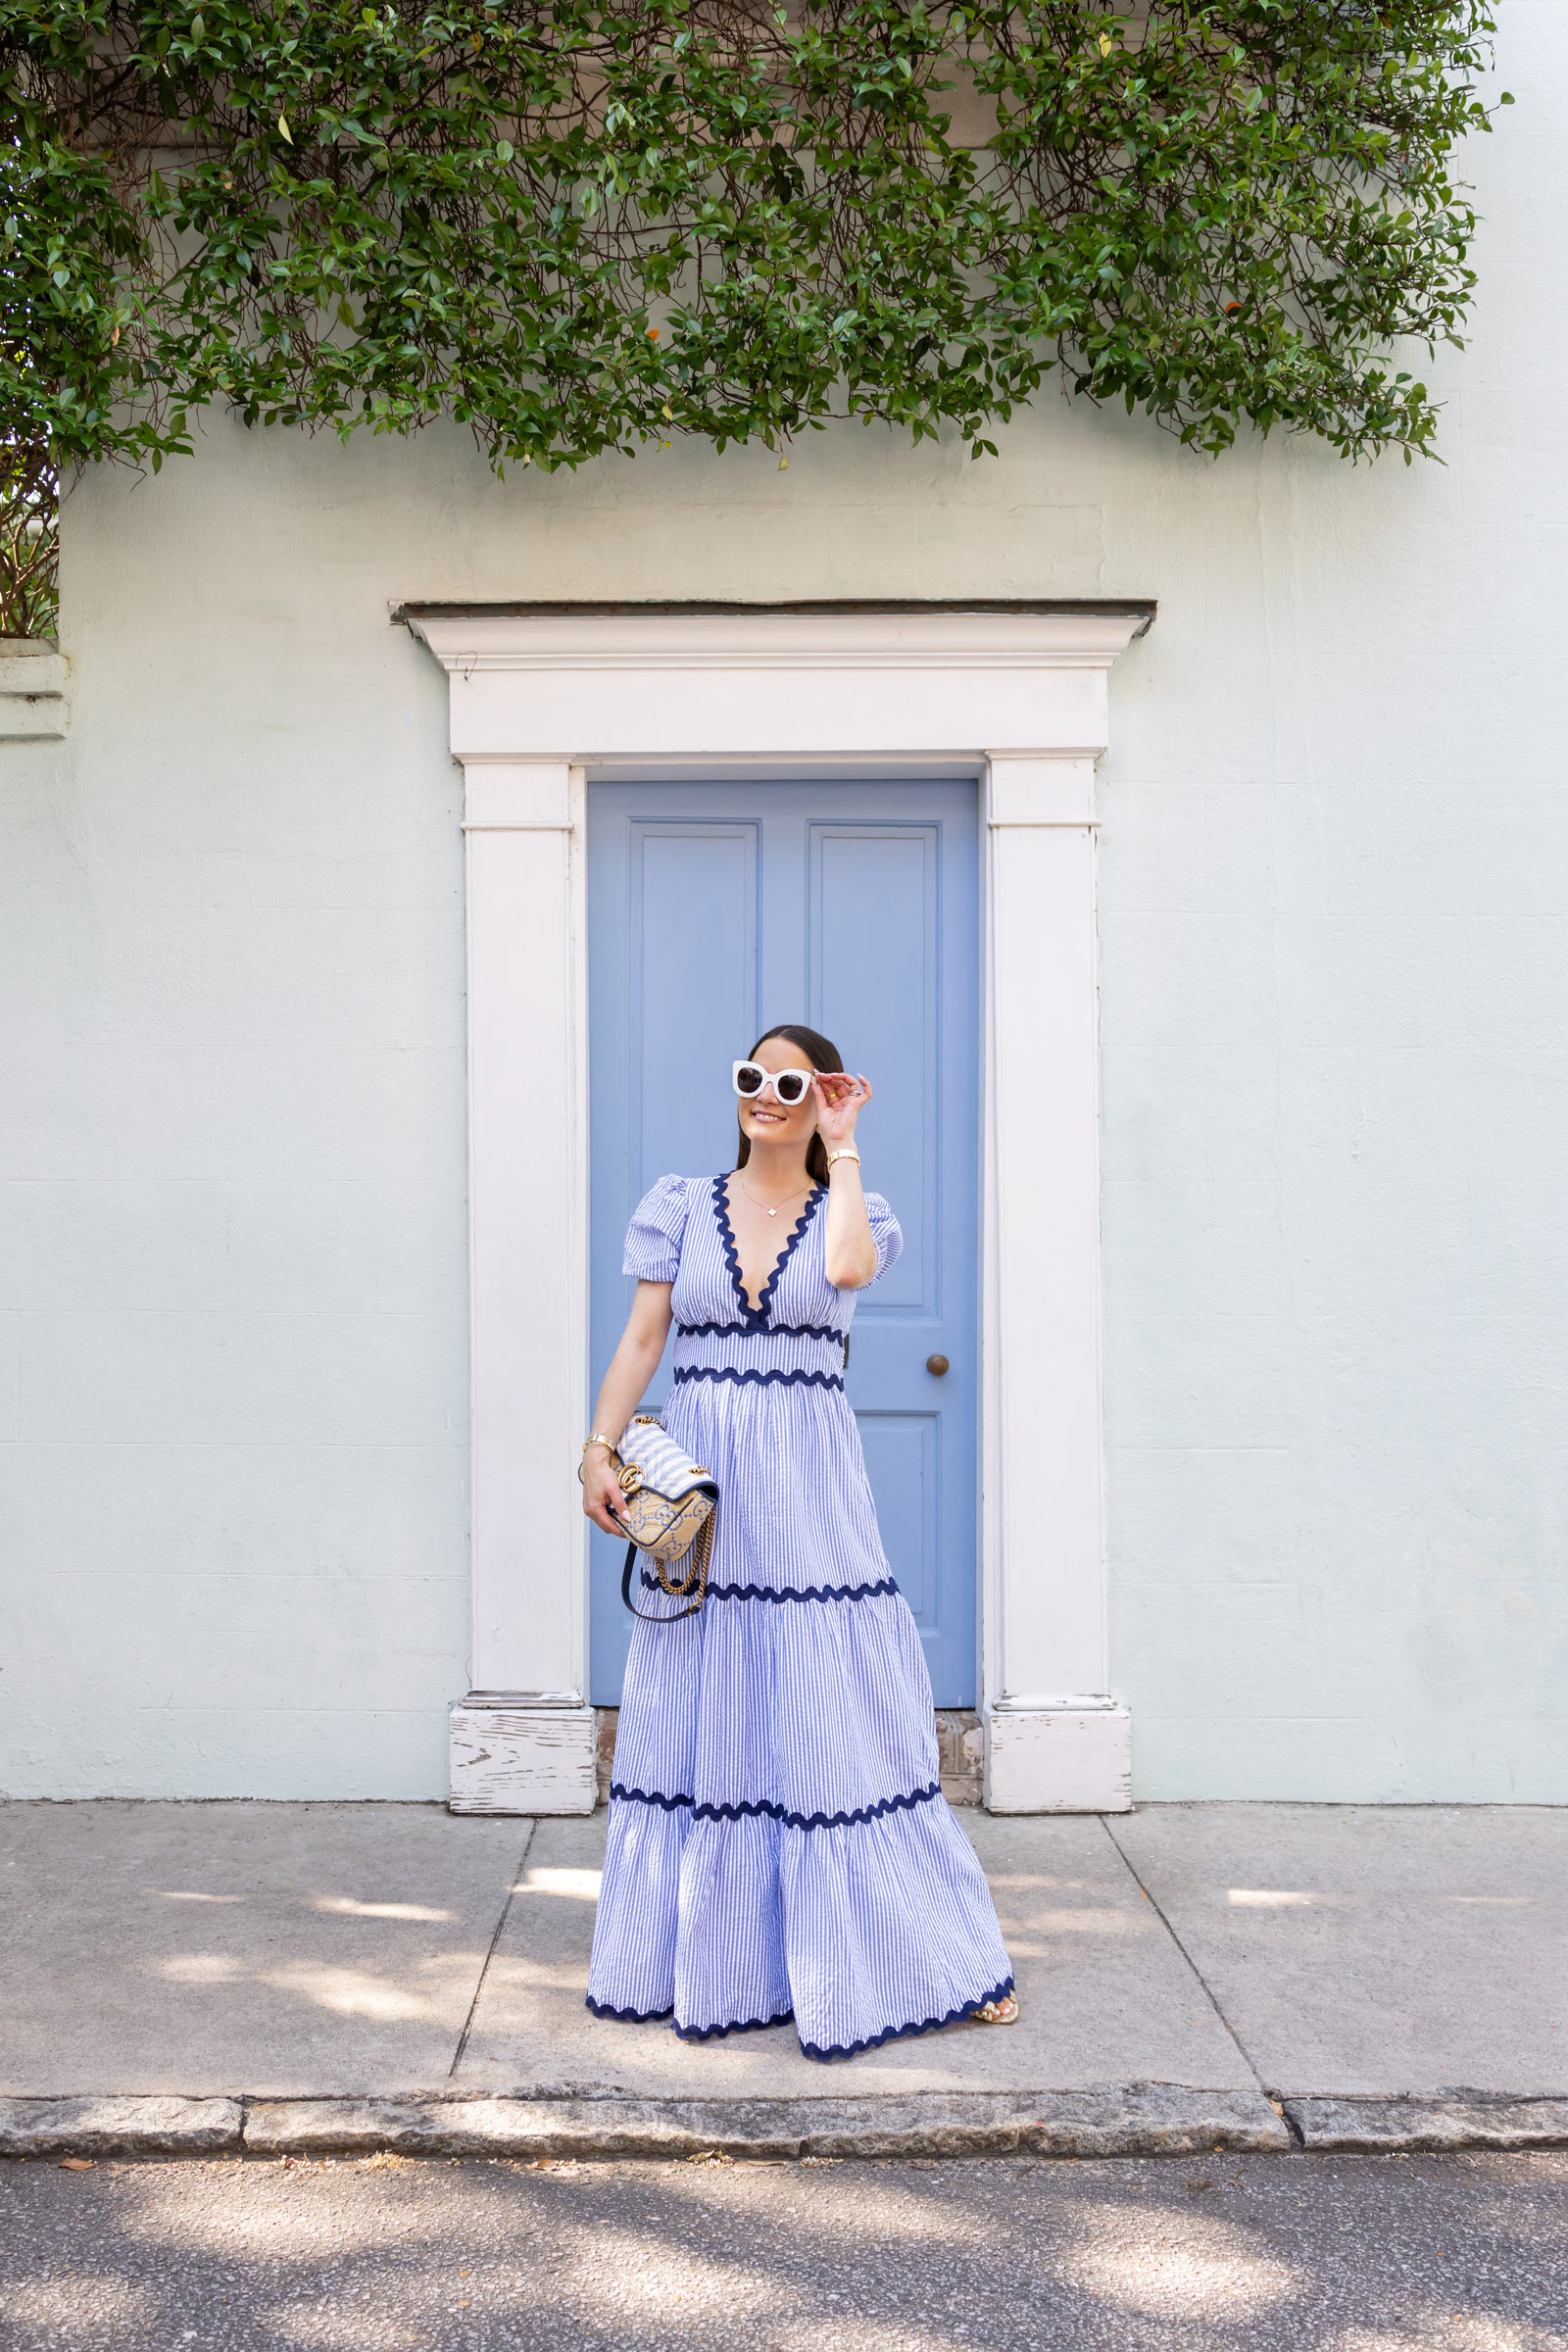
(789, 1087)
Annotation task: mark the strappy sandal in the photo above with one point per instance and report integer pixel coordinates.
(1003, 2012)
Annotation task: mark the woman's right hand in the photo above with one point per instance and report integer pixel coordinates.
(600, 1495)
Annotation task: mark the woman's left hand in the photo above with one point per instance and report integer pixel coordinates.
(840, 1100)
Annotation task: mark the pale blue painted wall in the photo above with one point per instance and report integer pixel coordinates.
(1334, 869)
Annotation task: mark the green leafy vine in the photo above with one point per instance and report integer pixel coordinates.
(579, 227)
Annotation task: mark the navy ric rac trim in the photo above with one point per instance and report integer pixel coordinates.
(754, 1318)
(775, 1331)
(745, 2024)
(791, 1820)
(753, 1379)
(808, 2049)
(927, 2024)
(651, 2017)
(884, 1584)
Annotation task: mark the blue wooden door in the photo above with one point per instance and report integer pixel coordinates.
(713, 911)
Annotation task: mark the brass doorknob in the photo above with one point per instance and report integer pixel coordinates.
(937, 1364)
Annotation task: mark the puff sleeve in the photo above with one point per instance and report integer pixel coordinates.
(885, 1232)
(653, 1236)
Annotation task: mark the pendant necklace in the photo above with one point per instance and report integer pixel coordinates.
(751, 1196)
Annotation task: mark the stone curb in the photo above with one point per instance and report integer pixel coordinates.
(1438, 2126)
(129, 2127)
(1143, 2120)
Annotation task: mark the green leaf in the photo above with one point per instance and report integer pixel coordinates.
(1241, 217)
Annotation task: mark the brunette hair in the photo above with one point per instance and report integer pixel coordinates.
(822, 1055)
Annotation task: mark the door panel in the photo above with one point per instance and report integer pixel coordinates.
(691, 909)
(876, 963)
(901, 1459)
(714, 910)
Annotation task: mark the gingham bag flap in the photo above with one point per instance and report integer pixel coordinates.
(662, 1465)
(667, 1508)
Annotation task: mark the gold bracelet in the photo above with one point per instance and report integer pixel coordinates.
(598, 1439)
(833, 1156)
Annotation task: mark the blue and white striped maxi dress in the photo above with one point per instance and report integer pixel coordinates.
(778, 1845)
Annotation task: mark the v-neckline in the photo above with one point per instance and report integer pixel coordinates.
(755, 1317)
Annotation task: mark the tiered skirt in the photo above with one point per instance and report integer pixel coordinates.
(778, 1843)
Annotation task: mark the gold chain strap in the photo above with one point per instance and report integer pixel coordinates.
(700, 1553)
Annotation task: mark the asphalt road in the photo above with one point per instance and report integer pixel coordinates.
(1370, 2254)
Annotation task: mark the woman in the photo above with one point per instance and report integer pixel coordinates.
(779, 1845)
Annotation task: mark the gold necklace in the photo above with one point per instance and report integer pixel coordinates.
(755, 1204)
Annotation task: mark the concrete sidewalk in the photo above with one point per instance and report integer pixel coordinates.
(362, 1975)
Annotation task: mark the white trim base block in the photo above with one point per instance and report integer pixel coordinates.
(522, 1760)
(35, 682)
(1058, 1760)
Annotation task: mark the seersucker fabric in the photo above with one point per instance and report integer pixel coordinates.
(778, 1843)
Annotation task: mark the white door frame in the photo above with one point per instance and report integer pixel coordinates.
(1017, 696)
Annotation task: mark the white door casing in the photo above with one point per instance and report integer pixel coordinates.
(1017, 696)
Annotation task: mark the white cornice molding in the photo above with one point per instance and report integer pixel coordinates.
(468, 643)
(593, 687)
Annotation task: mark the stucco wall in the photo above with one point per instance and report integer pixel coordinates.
(1335, 905)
